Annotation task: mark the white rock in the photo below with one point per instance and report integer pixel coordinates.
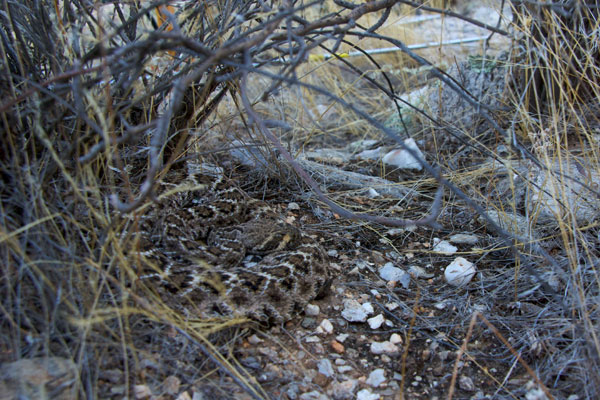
(373, 193)
(366, 394)
(466, 383)
(254, 339)
(314, 395)
(376, 377)
(395, 338)
(443, 247)
(384, 347)
(312, 339)
(368, 307)
(293, 206)
(325, 367)
(401, 158)
(390, 273)
(419, 272)
(312, 310)
(463, 238)
(326, 326)
(392, 306)
(459, 272)
(344, 368)
(342, 337)
(184, 396)
(344, 390)
(353, 311)
(141, 391)
(376, 321)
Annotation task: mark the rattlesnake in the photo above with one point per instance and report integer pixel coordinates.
(196, 241)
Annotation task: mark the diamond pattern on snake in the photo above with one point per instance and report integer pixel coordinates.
(197, 240)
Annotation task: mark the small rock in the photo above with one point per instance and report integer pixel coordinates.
(443, 247)
(312, 310)
(376, 377)
(141, 391)
(376, 322)
(312, 339)
(384, 348)
(184, 396)
(345, 368)
(308, 323)
(401, 158)
(366, 394)
(466, 383)
(394, 274)
(463, 238)
(325, 367)
(332, 253)
(459, 272)
(368, 307)
(419, 272)
(321, 380)
(342, 337)
(353, 311)
(254, 339)
(395, 338)
(344, 390)
(337, 347)
(373, 193)
(172, 384)
(326, 326)
(392, 306)
(314, 395)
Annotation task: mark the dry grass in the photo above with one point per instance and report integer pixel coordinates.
(80, 116)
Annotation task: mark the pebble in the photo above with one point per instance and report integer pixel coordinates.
(172, 384)
(312, 339)
(463, 238)
(395, 338)
(384, 347)
(376, 322)
(308, 323)
(326, 326)
(392, 306)
(459, 272)
(342, 337)
(344, 390)
(314, 395)
(401, 158)
(254, 339)
(443, 246)
(325, 367)
(353, 311)
(293, 206)
(376, 377)
(366, 394)
(141, 391)
(390, 273)
(321, 380)
(312, 310)
(337, 347)
(419, 272)
(466, 383)
(345, 368)
(184, 396)
(368, 307)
